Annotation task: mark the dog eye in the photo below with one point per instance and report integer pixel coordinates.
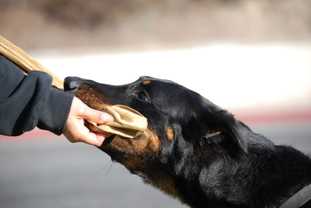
(143, 96)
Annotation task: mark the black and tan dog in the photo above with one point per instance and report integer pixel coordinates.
(198, 152)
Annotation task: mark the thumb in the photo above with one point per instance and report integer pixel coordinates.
(96, 116)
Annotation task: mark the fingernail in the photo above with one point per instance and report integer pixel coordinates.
(106, 117)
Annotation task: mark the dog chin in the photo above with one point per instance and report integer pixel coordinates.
(131, 153)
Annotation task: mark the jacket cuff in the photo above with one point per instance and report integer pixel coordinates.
(56, 110)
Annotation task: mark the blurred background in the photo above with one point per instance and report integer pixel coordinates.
(252, 57)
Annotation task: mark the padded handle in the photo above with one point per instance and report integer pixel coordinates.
(25, 61)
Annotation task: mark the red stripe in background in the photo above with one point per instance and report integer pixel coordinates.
(34, 134)
(275, 116)
(250, 117)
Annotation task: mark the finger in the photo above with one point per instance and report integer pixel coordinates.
(94, 139)
(91, 138)
(100, 139)
(96, 116)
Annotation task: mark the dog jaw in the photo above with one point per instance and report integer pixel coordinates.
(145, 143)
(124, 150)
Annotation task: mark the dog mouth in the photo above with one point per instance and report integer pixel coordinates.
(134, 152)
(129, 141)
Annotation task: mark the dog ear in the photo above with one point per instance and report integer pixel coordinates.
(238, 133)
(229, 127)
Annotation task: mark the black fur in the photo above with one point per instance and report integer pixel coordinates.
(233, 167)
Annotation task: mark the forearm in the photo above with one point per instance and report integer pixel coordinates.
(30, 101)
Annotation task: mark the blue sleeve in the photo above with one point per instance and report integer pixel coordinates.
(30, 101)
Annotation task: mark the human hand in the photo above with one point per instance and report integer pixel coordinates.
(76, 131)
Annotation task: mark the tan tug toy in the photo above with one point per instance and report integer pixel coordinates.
(128, 123)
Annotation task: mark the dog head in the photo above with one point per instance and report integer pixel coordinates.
(185, 131)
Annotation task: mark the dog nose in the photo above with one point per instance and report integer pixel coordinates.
(72, 83)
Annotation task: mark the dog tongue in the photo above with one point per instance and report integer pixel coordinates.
(127, 123)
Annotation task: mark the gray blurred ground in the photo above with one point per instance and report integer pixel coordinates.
(52, 173)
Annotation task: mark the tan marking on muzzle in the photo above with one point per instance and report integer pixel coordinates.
(146, 82)
(170, 133)
(90, 97)
(147, 142)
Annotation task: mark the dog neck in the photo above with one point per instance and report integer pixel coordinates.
(296, 172)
